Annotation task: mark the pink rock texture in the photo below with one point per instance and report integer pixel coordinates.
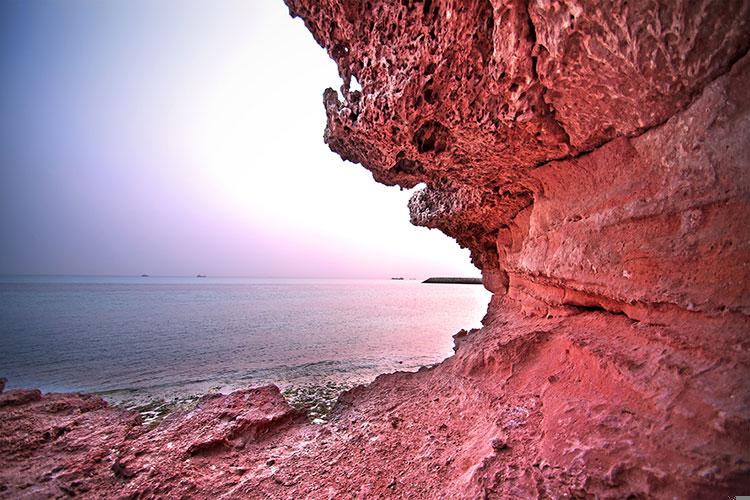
(595, 159)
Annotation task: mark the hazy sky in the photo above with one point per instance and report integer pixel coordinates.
(183, 137)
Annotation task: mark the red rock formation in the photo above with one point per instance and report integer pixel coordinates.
(594, 157)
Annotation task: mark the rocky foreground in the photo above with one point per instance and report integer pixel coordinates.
(595, 159)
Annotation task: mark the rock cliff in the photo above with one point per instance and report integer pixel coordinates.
(595, 159)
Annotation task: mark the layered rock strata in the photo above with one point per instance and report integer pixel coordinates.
(594, 157)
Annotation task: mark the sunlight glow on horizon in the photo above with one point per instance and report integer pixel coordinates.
(184, 137)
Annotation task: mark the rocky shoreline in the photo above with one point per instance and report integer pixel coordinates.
(316, 400)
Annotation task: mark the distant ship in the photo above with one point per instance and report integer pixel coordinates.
(144, 276)
(200, 275)
(397, 278)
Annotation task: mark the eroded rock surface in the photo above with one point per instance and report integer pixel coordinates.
(595, 158)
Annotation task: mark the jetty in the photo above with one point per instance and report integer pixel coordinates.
(454, 281)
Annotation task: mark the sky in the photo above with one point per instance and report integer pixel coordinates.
(177, 137)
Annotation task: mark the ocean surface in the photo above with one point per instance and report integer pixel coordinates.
(175, 336)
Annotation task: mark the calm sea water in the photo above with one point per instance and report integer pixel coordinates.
(171, 336)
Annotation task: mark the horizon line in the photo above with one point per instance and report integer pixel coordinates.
(61, 275)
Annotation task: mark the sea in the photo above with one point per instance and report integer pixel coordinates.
(124, 337)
